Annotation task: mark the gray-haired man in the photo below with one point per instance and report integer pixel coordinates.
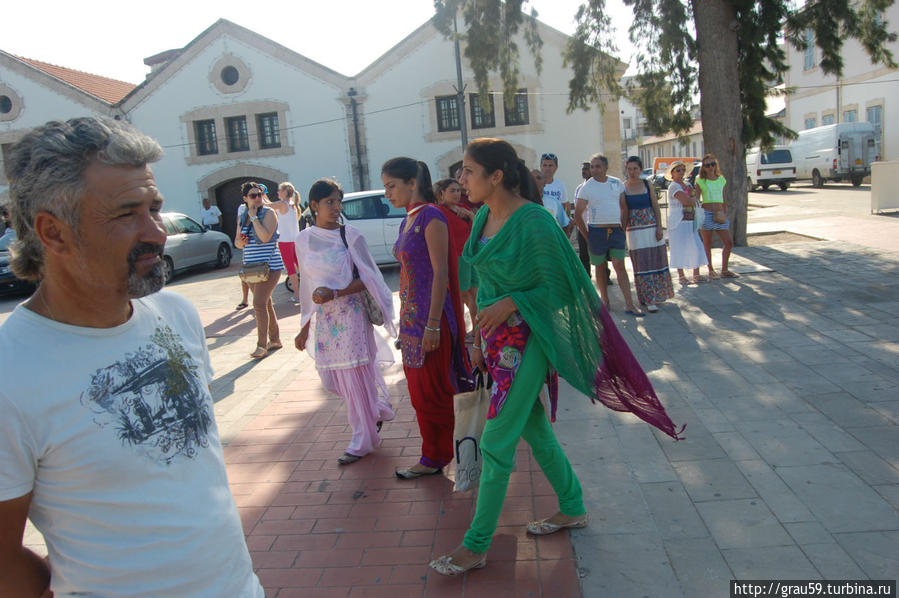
(107, 439)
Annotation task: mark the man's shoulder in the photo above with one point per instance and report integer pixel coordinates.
(168, 305)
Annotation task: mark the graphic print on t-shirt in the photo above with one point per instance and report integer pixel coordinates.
(153, 398)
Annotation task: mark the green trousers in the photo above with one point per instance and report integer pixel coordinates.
(522, 416)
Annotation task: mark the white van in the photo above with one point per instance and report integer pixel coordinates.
(838, 152)
(775, 167)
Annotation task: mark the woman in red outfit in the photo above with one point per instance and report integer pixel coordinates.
(459, 219)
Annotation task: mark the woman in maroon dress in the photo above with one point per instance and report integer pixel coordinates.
(459, 220)
(431, 329)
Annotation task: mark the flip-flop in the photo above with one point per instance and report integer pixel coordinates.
(714, 276)
(259, 353)
(700, 279)
(241, 306)
(729, 274)
(652, 308)
(274, 345)
(636, 314)
(683, 281)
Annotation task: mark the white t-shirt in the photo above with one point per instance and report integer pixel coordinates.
(556, 190)
(113, 431)
(211, 216)
(556, 209)
(602, 199)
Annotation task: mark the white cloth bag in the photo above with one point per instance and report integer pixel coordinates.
(471, 414)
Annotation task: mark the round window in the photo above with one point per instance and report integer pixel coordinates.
(5, 105)
(230, 75)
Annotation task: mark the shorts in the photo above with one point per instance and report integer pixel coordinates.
(606, 244)
(709, 223)
(289, 255)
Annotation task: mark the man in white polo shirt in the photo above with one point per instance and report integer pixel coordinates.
(600, 199)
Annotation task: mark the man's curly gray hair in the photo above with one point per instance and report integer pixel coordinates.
(45, 170)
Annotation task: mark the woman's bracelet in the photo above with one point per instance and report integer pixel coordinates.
(432, 329)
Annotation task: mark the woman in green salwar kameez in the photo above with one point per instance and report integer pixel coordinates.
(538, 314)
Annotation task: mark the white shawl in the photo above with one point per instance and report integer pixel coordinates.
(325, 262)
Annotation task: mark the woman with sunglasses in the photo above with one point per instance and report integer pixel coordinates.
(684, 242)
(257, 235)
(335, 266)
(711, 184)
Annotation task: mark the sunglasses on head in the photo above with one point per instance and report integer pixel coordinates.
(549, 157)
(709, 165)
(254, 195)
(680, 169)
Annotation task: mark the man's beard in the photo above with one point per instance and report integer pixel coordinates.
(152, 281)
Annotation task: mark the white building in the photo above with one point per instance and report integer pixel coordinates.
(865, 92)
(233, 106)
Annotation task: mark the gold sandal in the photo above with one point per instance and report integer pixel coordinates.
(543, 527)
(445, 565)
(259, 353)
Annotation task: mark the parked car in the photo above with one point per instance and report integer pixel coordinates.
(377, 220)
(838, 152)
(775, 167)
(659, 181)
(189, 244)
(9, 284)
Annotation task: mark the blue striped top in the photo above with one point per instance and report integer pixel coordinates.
(255, 252)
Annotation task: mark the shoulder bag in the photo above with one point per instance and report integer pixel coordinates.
(375, 316)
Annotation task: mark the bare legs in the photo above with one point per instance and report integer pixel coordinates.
(624, 284)
(727, 243)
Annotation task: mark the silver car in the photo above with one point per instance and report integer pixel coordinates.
(189, 245)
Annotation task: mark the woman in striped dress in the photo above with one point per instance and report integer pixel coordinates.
(642, 223)
(257, 235)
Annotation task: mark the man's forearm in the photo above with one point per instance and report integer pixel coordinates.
(24, 575)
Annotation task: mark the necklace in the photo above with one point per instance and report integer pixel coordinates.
(415, 209)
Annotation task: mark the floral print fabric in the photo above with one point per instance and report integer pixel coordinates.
(503, 351)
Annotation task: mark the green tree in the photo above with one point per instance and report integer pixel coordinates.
(729, 51)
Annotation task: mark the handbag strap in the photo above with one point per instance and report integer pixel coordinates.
(345, 244)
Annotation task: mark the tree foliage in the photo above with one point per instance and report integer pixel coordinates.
(490, 39)
(680, 45)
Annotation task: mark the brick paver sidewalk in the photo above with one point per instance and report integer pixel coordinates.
(315, 528)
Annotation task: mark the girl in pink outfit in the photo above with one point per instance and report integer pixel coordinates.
(346, 350)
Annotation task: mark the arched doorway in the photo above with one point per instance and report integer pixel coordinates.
(228, 198)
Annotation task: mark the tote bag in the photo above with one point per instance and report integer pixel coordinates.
(471, 414)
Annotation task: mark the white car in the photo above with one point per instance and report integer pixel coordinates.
(188, 245)
(377, 220)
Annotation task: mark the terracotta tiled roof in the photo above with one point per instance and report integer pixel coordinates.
(110, 90)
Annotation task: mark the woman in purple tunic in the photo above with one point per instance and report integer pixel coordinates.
(431, 328)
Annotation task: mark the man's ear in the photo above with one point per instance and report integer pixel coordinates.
(56, 236)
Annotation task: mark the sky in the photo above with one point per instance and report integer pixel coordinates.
(112, 38)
